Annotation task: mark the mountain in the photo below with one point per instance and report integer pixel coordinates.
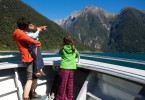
(90, 25)
(94, 27)
(127, 33)
(11, 10)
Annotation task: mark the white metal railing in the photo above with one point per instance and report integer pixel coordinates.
(117, 70)
(117, 59)
(8, 87)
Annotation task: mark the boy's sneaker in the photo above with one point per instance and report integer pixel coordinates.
(35, 95)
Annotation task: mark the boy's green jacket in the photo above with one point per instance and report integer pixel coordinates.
(68, 57)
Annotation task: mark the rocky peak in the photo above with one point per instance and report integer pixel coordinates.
(97, 11)
(89, 9)
(92, 9)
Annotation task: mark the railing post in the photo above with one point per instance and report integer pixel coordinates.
(18, 85)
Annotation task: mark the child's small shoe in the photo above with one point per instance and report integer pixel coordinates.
(38, 74)
(42, 73)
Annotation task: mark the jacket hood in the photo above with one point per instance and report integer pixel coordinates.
(67, 49)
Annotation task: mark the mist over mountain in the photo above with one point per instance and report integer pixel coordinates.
(99, 29)
(11, 10)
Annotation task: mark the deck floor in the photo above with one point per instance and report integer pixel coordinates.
(43, 97)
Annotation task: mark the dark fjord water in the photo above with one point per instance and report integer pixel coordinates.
(133, 60)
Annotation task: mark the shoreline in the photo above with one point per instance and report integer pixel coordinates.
(9, 51)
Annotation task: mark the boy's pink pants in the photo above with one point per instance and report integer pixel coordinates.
(65, 89)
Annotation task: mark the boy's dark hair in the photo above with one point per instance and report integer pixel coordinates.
(23, 23)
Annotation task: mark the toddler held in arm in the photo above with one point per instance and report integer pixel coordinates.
(38, 64)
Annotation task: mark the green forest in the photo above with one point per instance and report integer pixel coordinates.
(12, 10)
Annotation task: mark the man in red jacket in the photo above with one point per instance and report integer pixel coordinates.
(23, 40)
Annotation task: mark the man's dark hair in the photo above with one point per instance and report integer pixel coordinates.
(23, 23)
